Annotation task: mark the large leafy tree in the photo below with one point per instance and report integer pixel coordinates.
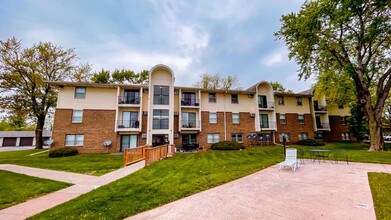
(216, 81)
(279, 87)
(121, 76)
(350, 38)
(23, 72)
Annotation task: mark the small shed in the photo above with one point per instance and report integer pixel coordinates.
(21, 138)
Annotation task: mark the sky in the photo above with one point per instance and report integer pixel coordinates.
(192, 37)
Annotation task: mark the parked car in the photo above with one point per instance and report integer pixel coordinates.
(387, 137)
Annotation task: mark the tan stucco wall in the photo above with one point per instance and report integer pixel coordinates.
(291, 106)
(334, 110)
(246, 104)
(96, 98)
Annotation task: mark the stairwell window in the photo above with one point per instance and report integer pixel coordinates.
(74, 140)
(343, 120)
(160, 119)
(282, 119)
(80, 92)
(77, 116)
(212, 117)
(301, 119)
(213, 138)
(235, 118)
(161, 95)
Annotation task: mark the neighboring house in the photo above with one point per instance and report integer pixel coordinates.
(20, 138)
(89, 114)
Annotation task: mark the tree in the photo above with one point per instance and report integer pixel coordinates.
(121, 76)
(350, 38)
(23, 72)
(101, 77)
(357, 122)
(215, 81)
(279, 87)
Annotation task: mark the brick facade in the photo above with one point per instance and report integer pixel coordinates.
(97, 126)
(293, 127)
(337, 128)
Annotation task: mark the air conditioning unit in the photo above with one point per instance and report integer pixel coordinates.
(176, 113)
(252, 115)
(145, 113)
(144, 135)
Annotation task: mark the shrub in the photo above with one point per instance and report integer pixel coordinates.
(227, 145)
(310, 142)
(63, 152)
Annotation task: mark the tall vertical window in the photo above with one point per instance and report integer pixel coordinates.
(237, 137)
(280, 100)
(213, 138)
(128, 141)
(262, 101)
(129, 120)
(235, 118)
(299, 101)
(301, 119)
(189, 120)
(160, 119)
(161, 95)
(284, 134)
(74, 140)
(77, 116)
(263, 121)
(80, 92)
(343, 120)
(234, 99)
(212, 117)
(282, 119)
(212, 97)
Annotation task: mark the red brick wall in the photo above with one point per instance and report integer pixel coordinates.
(337, 128)
(97, 127)
(293, 127)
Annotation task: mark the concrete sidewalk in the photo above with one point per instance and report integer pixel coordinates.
(83, 184)
(314, 191)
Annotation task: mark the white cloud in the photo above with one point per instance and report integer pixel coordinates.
(275, 58)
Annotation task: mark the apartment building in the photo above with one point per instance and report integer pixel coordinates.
(127, 116)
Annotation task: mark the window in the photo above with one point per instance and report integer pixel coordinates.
(189, 99)
(340, 106)
(284, 134)
(128, 141)
(212, 117)
(80, 92)
(161, 95)
(129, 120)
(280, 100)
(234, 99)
(130, 97)
(212, 97)
(299, 101)
(160, 119)
(282, 119)
(345, 136)
(237, 137)
(189, 120)
(213, 138)
(77, 116)
(74, 140)
(343, 120)
(318, 136)
(263, 121)
(235, 118)
(301, 119)
(262, 101)
(303, 136)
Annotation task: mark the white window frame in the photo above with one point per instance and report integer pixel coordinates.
(287, 136)
(302, 135)
(345, 136)
(301, 121)
(78, 94)
(212, 120)
(235, 100)
(282, 119)
(235, 118)
(213, 138)
(75, 117)
(237, 137)
(74, 140)
(212, 97)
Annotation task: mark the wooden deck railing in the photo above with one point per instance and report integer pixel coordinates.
(147, 152)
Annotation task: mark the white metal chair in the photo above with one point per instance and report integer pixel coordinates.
(290, 159)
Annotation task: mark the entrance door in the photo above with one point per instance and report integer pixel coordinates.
(131, 96)
(188, 119)
(159, 139)
(263, 121)
(128, 141)
(129, 119)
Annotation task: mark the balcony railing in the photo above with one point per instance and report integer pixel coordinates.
(190, 102)
(320, 108)
(128, 124)
(190, 124)
(323, 125)
(268, 125)
(267, 105)
(128, 100)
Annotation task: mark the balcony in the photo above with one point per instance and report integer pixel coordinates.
(190, 102)
(126, 100)
(323, 126)
(269, 125)
(190, 124)
(128, 124)
(320, 108)
(267, 106)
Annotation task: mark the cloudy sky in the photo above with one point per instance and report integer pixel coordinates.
(192, 37)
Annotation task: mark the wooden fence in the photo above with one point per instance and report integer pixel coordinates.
(147, 152)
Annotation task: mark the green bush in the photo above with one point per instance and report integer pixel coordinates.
(63, 152)
(310, 142)
(227, 145)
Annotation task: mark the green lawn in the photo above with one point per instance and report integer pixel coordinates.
(93, 164)
(381, 193)
(165, 181)
(17, 188)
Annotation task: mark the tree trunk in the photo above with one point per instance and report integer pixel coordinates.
(375, 132)
(38, 132)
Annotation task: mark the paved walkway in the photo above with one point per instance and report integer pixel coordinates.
(314, 191)
(3, 149)
(83, 184)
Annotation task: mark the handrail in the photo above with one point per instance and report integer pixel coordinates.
(148, 153)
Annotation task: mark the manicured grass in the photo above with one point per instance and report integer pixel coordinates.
(381, 193)
(17, 188)
(93, 164)
(165, 181)
(357, 152)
